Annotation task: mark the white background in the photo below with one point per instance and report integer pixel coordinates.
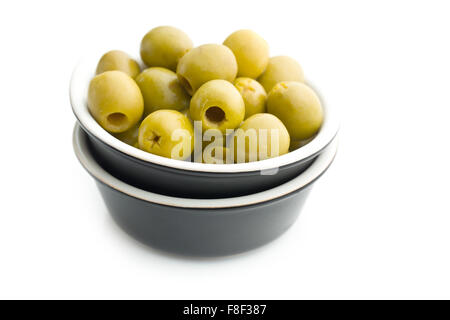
(377, 225)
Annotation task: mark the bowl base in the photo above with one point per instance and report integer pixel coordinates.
(203, 232)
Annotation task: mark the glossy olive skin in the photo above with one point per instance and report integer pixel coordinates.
(218, 105)
(253, 94)
(120, 61)
(161, 90)
(167, 133)
(281, 68)
(130, 136)
(263, 141)
(164, 46)
(298, 106)
(251, 52)
(205, 63)
(115, 101)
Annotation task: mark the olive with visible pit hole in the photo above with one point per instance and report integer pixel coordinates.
(218, 105)
(115, 101)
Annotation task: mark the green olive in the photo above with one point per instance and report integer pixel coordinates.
(164, 46)
(251, 51)
(161, 90)
(218, 105)
(130, 136)
(281, 68)
(215, 155)
(167, 133)
(297, 144)
(120, 61)
(213, 138)
(298, 106)
(115, 101)
(260, 137)
(205, 63)
(253, 94)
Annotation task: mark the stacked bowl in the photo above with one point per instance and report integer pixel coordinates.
(193, 208)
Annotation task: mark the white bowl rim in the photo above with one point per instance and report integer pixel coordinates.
(83, 153)
(79, 84)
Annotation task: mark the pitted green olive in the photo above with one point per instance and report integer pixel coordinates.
(120, 61)
(205, 63)
(164, 46)
(281, 68)
(298, 106)
(167, 133)
(115, 101)
(251, 52)
(161, 90)
(260, 137)
(218, 105)
(253, 94)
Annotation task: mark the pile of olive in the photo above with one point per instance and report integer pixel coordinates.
(230, 90)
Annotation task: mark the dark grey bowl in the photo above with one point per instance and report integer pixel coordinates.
(202, 227)
(188, 179)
